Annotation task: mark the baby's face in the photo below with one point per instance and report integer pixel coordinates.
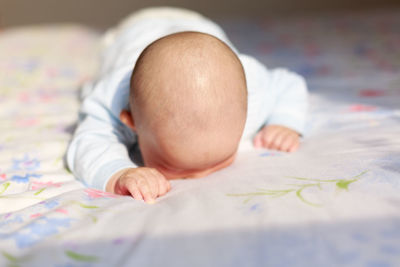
(173, 167)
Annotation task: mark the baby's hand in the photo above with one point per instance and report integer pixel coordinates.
(141, 183)
(277, 137)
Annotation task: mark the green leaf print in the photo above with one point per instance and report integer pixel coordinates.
(5, 186)
(341, 184)
(81, 257)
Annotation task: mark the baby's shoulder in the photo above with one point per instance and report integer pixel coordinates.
(257, 74)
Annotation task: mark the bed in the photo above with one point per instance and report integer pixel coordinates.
(335, 202)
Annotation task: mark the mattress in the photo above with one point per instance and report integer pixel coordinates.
(334, 202)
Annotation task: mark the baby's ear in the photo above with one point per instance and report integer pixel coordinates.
(126, 117)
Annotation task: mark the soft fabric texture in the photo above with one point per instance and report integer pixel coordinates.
(335, 202)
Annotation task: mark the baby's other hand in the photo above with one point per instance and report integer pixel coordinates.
(277, 137)
(141, 183)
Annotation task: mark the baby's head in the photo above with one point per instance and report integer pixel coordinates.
(188, 104)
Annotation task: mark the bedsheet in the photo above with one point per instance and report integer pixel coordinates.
(335, 202)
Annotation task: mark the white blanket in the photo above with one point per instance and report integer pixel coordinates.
(335, 202)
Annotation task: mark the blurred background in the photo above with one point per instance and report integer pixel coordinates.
(105, 13)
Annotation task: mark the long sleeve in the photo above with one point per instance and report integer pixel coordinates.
(291, 104)
(99, 147)
(275, 96)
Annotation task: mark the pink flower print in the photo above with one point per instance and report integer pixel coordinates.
(36, 215)
(52, 72)
(94, 193)
(46, 96)
(24, 97)
(63, 211)
(361, 108)
(26, 122)
(311, 50)
(37, 185)
(371, 93)
(3, 176)
(265, 48)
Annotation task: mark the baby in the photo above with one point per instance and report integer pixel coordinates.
(183, 110)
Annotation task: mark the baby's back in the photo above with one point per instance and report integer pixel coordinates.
(125, 43)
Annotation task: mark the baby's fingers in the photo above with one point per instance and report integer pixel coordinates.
(287, 142)
(269, 138)
(278, 140)
(291, 143)
(145, 190)
(294, 146)
(133, 189)
(152, 181)
(162, 184)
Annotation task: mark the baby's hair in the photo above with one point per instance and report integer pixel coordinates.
(190, 79)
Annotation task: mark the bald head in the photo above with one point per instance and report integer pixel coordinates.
(188, 92)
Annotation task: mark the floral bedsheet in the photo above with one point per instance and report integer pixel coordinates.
(335, 202)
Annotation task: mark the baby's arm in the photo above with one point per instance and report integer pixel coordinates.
(98, 151)
(98, 155)
(287, 121)
(277, 106)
